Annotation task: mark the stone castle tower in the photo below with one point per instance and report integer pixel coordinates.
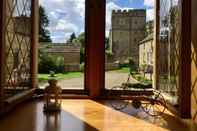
(128, 29)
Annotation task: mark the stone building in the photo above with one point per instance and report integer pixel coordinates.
(69, 51)
(146, 51)
(146, 47)
(128, 28)
(146, 56)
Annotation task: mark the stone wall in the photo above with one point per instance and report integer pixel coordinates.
(72, 57)
(128, 28)
(70, 52)
(72, 61)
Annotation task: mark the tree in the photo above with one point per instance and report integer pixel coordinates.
(44, 34)
(81, 41)
(107, 46)
(49, 63)
(72, 37)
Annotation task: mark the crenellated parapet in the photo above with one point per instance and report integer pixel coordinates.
(130, 12)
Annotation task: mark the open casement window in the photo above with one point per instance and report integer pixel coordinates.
(169, 49)
(17, 48)
(173, 45)
(64, 57)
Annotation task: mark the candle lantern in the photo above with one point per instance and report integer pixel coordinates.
(52, 96)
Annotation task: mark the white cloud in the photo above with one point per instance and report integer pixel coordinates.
(149, 3)
(59, 37)
(66, 17)
(149, 14)
(63, 25)
(150, 9)
(110, 6)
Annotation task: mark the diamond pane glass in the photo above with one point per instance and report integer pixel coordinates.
(169, 49)
(18, 43)
(194, 81)
(194, 62)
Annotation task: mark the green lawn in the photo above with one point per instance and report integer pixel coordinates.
(60, 76)
(125, 70)
(122, 70)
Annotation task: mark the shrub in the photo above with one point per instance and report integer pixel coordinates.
(142, 79)
(46, 64)
(52, 74)
(49, 63)
(59, 63)
(139, 85)
(82, 55)
(129, 63)
(82, 67)
(143, 67)
(124, 65)
(109, 53)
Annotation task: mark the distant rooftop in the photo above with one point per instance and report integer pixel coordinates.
(148, 38)
(59, 47)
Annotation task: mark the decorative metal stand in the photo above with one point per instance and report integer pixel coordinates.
(154, 104)
(52, 97)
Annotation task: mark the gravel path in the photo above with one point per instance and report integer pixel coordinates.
(112, 78)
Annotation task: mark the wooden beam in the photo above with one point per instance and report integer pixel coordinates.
(86, 47)
(156, 44)
(95, 55)
(2, 51)
(185, 60)
(34, 43)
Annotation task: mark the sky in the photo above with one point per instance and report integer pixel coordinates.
(68, 16)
